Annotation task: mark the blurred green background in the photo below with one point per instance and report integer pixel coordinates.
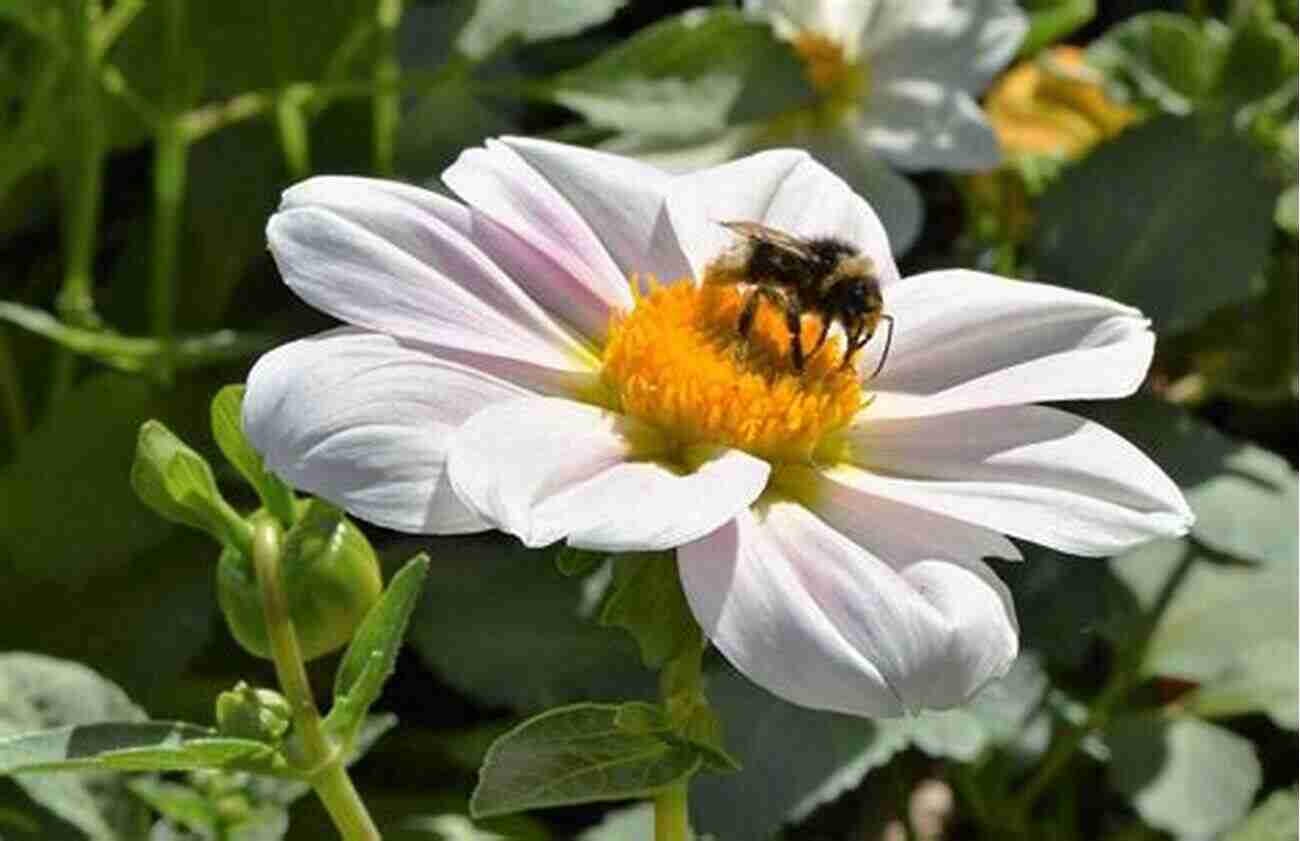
(143, 145)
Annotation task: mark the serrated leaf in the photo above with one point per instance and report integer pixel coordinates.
(576, 754)
(689, 75)
(495, 21)
(1185, 776)
(372, 655)
(1152, 256)
(646, 599)
(228, 430)
(1273, 820)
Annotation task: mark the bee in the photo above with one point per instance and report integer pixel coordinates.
(823, 276)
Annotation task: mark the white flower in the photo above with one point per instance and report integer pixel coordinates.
(896, 81)
(498, 371)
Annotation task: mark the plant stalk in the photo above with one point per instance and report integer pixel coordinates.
(388, 14)
(672, 818)
(321, 758)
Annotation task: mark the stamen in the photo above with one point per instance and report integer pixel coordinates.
(678, 361)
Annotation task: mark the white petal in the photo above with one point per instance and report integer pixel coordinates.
(361, 419)
(623, 200)
(582, 283)
(782, 188)
(967, 340)
(545, 469)
(960, 44)
(917, 124)
(840, 20)
(1028, 471)
(808, 614)
(442, 291)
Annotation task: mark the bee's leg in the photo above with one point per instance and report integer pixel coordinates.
(889, 340)
(794, 324)
(855, 344)
(821, 340)
(747, 313)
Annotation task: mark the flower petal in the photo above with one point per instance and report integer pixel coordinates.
(840, 20)
(960, 44)
(781, 188)
(816, 619)
(361, 419)
(582, 283)
(1028, 471)
(968, 340)
(546, 469)
(623, 200)
(918, 124)
(377, 261)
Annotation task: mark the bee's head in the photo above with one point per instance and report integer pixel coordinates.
(855, 291)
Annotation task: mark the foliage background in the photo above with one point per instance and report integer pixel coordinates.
(141, 156)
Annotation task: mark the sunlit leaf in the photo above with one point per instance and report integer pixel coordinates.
(495, 21)
(576, 754)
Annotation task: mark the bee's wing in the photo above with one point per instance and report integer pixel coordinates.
(755, 231)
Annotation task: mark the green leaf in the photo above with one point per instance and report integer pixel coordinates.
(1272, 820)
(129, 746)
(495, 21)
(1185, 776)
(1052, 20)
(1285, 214)
(498, 622)
(647, 600)
(688, 75)
(372, 655)
(177, 482)
(1168, 59)
(576, 754)
(38, 693)
(1147, 250)
(178, 803)
(1262, 677)
(228, 430)
(1259, 61)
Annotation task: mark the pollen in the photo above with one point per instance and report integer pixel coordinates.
(678, 361)
(828, 68)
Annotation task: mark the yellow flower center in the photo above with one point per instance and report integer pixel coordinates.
(678, 361)
(837, 79)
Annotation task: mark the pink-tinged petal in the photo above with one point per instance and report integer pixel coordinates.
(545, 470)
(442, 291)
(969, 340)
(783, 189)
(582, 284)
(395, 211)
(816, 619)
(1028, 471)
(361, 419)
(622, 199)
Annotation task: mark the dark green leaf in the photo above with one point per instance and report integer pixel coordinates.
(1259, 61)
(176, 802)
(372, 654)
(88, 746)
(692, 74)
(495, 21)
(576, 754)
(177, 482)
(646, 599)
(1185, 776)
(228, 430)
(1148, 248)
(498, 622)
(578, 562)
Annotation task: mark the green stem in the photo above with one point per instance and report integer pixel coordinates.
(672, 821)
(171, 148)
(1123, 679)
(387, 73)
(321, 757)
(291, 125)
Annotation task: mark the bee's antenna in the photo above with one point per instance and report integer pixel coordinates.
(889, 339)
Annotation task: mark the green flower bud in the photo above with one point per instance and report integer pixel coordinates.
(330, 576)
(247, 713)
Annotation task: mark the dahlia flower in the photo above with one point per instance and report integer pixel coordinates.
(548, 359)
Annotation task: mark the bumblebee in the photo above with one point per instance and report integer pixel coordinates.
(823, 276)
